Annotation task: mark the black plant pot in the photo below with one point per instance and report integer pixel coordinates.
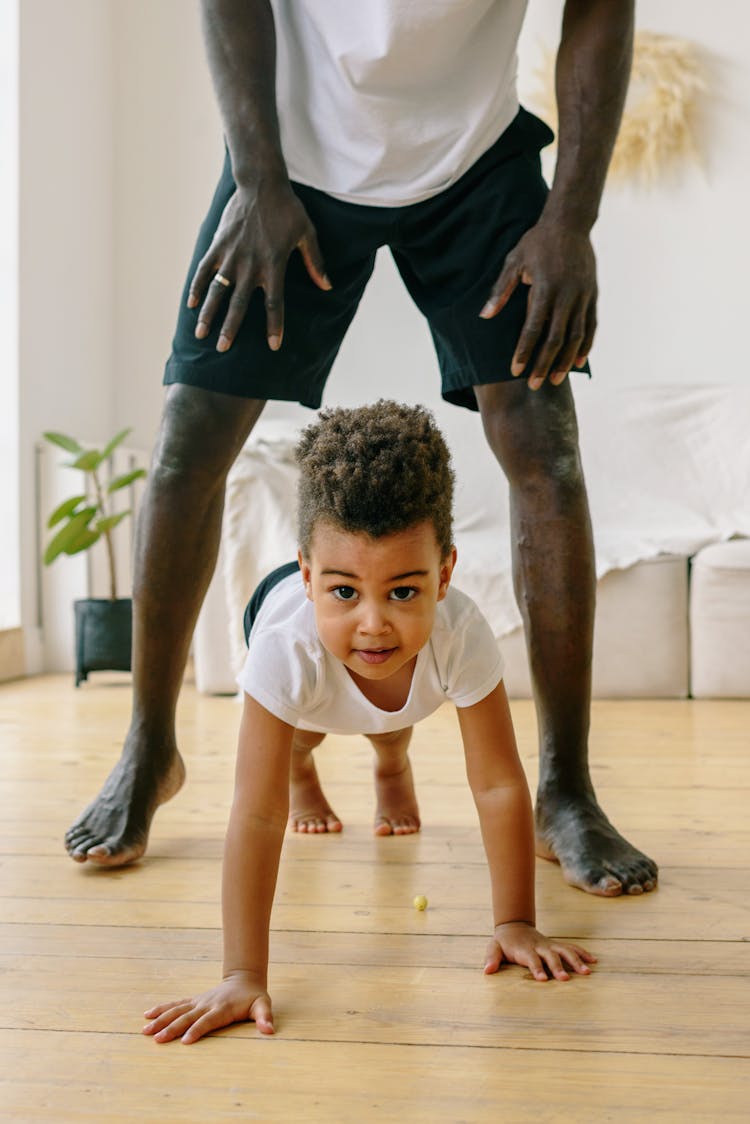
(103, 635)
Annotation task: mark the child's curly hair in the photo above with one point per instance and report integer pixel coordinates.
(375, 470)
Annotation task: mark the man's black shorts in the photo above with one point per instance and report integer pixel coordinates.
(448, 249)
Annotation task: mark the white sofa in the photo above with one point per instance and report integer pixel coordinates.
(668, 474)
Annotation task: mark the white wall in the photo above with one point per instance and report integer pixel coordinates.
(10, 571)
(120, 150)
(67, 273)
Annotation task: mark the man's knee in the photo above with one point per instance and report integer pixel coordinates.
(201, 434)
(533, 434)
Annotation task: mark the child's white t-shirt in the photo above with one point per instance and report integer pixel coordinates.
(289, 672)
(388, 102)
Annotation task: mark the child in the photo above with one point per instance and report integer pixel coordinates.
(365, 635)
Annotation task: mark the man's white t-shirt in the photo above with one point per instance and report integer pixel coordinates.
(387, 102)
(289, 672)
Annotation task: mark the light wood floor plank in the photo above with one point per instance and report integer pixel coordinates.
(382, 1012)
(113, 1078)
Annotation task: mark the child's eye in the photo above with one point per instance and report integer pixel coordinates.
(403, 593)
(344, 593)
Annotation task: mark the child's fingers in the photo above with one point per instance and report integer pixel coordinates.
(154, 1012)
(493, 958)
(577, 958)
(168, 1013)
(171, 1025)
(583, 953)
(554, 963)
(534, 963)
(262, 1013)
(214, 1019)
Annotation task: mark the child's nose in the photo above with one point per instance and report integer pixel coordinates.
(373, 621)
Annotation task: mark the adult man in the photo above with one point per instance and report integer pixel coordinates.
(390, 123)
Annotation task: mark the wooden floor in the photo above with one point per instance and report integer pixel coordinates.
(382, 1012)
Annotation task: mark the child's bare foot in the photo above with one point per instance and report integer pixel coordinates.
(397, 812)
(309, 811)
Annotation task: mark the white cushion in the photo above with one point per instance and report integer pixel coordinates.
(640, 636)
(720, 621)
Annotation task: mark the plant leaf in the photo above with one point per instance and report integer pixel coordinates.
(110, 521)
(88, 461)
(86, 539)
(114, 443)
(67, 507)
(128, 478)
(69, 534)
(68, 443)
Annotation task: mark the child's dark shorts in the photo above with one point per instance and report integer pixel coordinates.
(261, 592)
(448, 249)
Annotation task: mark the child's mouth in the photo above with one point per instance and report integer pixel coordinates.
(374, 655)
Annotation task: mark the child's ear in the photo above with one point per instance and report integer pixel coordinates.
(304, 566)
(446, 572)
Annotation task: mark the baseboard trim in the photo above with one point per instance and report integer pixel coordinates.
(12, 662)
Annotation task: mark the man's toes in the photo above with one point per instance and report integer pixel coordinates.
(79, 847)
(383, 826)
(607, 885)
(641, 880)
(76, 836)
(333, 824)
(596, 881)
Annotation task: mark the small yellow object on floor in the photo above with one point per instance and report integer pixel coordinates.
(420, 902)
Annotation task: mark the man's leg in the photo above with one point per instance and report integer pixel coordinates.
(176, 548)
(534, 436)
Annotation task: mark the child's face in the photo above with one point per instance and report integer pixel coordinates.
(375, 599)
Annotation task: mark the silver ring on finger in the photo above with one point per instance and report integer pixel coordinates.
(222, 280)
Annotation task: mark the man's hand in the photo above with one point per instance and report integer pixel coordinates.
(560, 267)
(256, 235)
(238, 997)
(520, 943)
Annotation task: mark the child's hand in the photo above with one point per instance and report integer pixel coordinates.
(236, 999)
(519, 943)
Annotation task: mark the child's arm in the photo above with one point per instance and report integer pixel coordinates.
(251, 861)
(506, 819)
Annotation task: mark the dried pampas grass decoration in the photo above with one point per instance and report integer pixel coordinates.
(658, 124)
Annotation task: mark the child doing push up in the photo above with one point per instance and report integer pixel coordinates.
(364, 635)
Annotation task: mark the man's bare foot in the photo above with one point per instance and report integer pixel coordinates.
(309, 811)
(574, 832)
(113, 830)
(396, 812)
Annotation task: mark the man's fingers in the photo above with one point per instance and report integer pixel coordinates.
(274, 293)
(588, 335)
(313, 259)
(501, 291)
(536, 318)
(201, 280)
(215, 297)
(568, 354)
(238, 303)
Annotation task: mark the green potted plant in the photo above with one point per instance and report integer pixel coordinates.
(103, 625)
